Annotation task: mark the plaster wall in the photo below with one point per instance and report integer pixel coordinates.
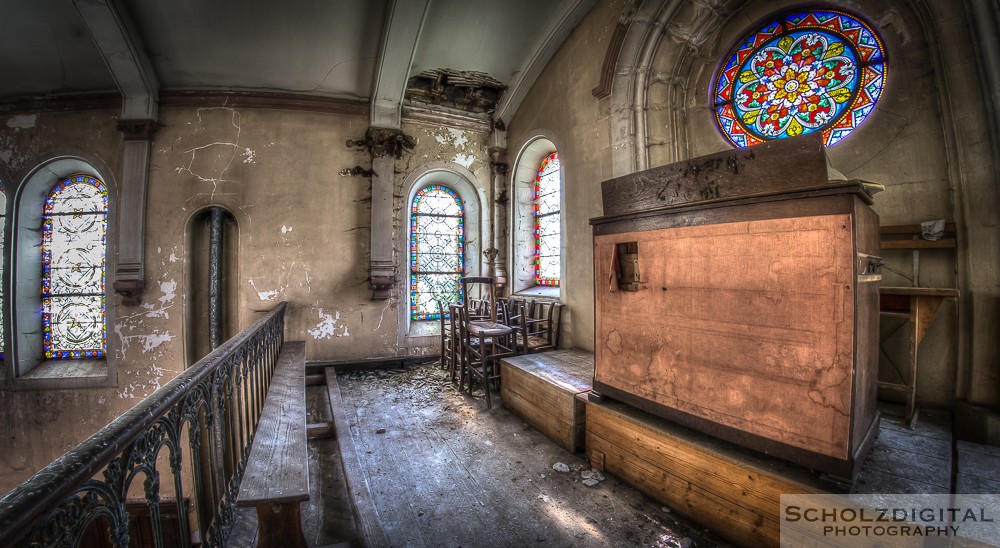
(303, 238)
(913, 143)
(927, 141)
(65, 417)
(561, 104)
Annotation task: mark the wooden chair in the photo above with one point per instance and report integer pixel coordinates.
(537, 325)
(485, 341)
(456, 359)
(484, 305)
(447, 337)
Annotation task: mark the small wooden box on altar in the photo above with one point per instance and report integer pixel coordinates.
(737, 294)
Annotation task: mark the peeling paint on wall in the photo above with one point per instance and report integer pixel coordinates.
(168, 289)
(268, 295)
(327, 327)
(458, 137)
(464, 160)
(154, 340)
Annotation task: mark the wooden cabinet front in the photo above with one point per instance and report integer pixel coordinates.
(744, 323)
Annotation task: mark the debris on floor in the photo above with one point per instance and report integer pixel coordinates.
(456, 474)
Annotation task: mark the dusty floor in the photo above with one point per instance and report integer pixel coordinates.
(444, 471)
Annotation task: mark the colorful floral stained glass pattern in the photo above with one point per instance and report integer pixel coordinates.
(547, 236)
(437, 250)
(75, 223)
(805, 72)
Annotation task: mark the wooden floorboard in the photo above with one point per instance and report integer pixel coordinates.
(366, 520)
(978, 468)
(444, 471)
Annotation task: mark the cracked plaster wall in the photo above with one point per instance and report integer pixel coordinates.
(581, 127)
(303, 238)
(902, 145)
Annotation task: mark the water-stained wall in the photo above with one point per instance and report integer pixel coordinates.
(303, 237)
(927, 141)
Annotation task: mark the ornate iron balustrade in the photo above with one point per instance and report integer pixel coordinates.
(218, 401)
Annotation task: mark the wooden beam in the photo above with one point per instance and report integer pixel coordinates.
(404, 19)
(366, 519)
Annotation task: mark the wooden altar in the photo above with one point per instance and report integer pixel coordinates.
(737, 294)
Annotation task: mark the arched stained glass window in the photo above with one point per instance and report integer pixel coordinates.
(75, 224)
(437, 250)
(547, 216)
(804, 72)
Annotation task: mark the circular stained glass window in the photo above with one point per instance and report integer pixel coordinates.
(807, 71)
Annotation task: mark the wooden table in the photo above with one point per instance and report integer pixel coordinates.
(919, 305)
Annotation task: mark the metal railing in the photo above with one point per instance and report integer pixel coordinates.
(216, 403)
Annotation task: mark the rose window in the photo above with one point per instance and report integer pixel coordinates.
(805, 72)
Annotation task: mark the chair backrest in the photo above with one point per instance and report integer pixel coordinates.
(539, 320)
(486, 285)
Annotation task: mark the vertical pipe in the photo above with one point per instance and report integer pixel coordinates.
(215, 279)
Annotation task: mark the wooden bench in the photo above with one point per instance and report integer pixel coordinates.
(276, 479)
(541, 389)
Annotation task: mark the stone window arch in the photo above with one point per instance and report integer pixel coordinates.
(58, 268)
(525, 243)
(470, 192)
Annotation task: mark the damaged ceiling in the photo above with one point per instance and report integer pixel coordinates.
(475, 56)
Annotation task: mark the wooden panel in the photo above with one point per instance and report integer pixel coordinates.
(541, 389)
(366, 520)
(866, 322)
(748, 325)
(943, 243)
(277, 467)
(776, 167)
(730, 492)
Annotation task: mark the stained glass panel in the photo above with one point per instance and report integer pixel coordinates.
(806, 72)
(437, 250)
(547, 221)
(73, 269)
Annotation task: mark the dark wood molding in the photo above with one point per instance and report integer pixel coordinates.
(236, 99)
(263, 100)
(62, 103)
(603, 88)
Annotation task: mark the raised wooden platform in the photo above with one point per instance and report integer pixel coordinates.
(729, 490)
(541, 388)
(732, 491)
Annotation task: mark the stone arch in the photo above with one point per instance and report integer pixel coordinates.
(530, 154)
(471, 191)
(23, 279)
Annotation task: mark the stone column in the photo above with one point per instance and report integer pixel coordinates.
(130, 273)
(385, 146)
(500, 199)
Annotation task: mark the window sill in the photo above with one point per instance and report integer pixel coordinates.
(544, 291)
(61, 374)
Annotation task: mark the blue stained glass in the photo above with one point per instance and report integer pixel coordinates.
(809, 71)
(74, 244)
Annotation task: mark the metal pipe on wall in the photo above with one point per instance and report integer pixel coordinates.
(217, 218)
